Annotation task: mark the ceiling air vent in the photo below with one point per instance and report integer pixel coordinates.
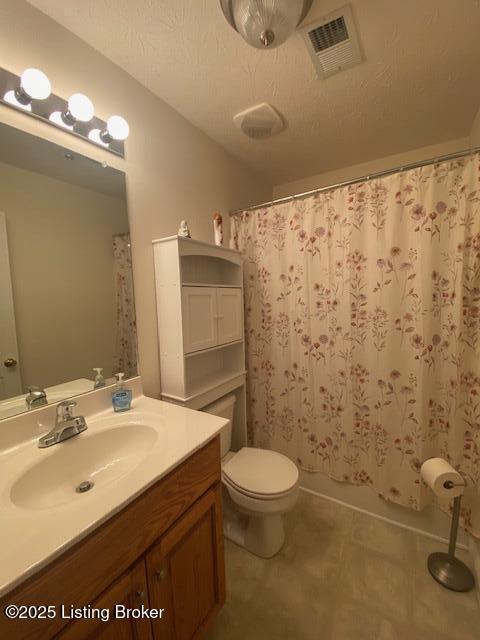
(260, 121)
(332, 43)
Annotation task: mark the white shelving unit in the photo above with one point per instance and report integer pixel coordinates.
(200, 325)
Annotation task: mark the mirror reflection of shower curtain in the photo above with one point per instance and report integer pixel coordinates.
(125, 356)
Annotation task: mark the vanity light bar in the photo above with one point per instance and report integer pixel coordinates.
(31, 93)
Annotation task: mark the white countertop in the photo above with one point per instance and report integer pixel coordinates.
(31, 538)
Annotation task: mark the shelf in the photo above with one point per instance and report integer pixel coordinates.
(211, 368)
(210, 383)
(213, 380)
(211, 284)
(201, 270)
(217, 347)
(206, 246)
(200, 303)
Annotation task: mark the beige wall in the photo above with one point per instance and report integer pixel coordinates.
(380, 164)
(475, 131)
(61, 257)
(173, 170)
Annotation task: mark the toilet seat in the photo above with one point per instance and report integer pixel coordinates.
(256, 496)
(260, 474)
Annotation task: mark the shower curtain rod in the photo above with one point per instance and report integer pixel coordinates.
(370, 176)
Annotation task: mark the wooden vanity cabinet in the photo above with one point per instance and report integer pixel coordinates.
(130, 590)
(163, 551)
(185, 571)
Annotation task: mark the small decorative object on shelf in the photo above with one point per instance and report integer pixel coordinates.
(184, 231)
(218, 229)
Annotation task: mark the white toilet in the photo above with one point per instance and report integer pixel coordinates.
(259, 487)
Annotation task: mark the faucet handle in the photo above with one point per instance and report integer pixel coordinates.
(33, 387)
(65, 409)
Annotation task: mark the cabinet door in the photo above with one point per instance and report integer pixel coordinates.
(199, 318)
(129, 590)
(229, 314)
(186, 572)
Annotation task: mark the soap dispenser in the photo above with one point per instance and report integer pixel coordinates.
(121, 397)
(99, 381)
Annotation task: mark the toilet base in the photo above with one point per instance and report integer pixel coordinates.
(261, 535)
(265, 535)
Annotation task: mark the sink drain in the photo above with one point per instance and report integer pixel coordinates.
(84, 486)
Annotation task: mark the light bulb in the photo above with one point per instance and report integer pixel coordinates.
(35, 84)
(80, 107)
(94, 136)
(11, 99)
(117, 128)
(56, 118)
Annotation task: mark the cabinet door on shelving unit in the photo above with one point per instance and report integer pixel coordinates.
(186, 573)
(229, 314)
(199, 318)
(131, 591)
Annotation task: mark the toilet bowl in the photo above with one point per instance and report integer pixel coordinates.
(259, 487)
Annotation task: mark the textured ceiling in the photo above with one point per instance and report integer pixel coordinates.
(418, 84)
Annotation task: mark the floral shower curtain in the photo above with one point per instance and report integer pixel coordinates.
(125, 356)
(363, 329)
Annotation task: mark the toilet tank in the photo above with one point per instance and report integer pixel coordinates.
(224, 408)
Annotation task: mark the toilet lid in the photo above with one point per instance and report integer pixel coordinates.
(261, 472)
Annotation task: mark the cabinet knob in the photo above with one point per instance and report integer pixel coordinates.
(140, 595)
(160, 574)
(10, 362)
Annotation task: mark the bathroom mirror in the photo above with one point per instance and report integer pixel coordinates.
(66, 290)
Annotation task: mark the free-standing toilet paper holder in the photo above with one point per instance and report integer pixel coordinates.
(448, 570)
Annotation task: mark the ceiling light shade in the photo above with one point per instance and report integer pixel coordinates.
(35, 84)
(265, 24)
(81, 107)
(117, 129)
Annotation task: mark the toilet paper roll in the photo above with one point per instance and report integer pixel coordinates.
(437, 472)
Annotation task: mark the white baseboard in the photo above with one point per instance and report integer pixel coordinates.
(431, 520)
(402, 525)
(474, 548)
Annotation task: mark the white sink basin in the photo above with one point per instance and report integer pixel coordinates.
(123, 454)
(99, 458)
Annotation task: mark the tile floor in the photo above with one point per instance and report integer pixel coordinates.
(342, 575)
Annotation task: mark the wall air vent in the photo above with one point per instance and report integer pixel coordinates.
(332, 43)
(260, 121)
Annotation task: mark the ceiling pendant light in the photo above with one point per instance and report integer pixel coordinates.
(265, 24)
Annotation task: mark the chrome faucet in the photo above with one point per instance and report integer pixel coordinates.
(66, 425)
(36, 397)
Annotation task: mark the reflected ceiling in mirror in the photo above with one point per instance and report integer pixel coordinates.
(66, 289)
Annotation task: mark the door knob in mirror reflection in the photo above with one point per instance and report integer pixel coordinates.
(10, 362)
